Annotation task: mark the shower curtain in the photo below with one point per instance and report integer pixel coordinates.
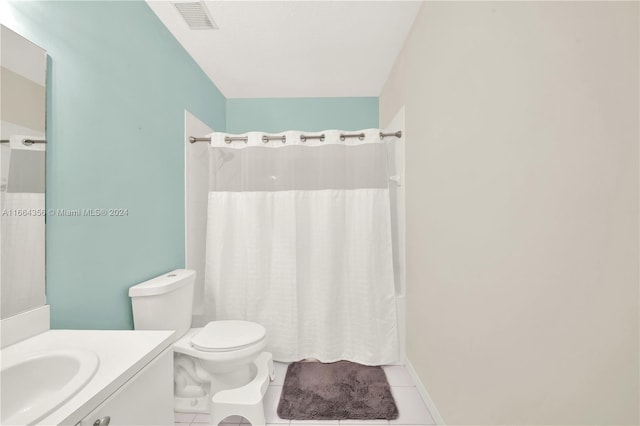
(22, 225)
(299, 240)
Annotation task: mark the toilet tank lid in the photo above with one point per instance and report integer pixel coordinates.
(164, 283)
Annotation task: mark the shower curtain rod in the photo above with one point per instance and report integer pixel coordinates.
(303, 138)
(25, 141)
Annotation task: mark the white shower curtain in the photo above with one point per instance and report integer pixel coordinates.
(22, 225)
(299, 240)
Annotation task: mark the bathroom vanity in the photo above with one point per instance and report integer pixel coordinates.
(145, 397)
(88, 377)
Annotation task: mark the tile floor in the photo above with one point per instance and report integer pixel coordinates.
(410, 405)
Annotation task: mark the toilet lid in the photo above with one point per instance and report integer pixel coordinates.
(218, 336)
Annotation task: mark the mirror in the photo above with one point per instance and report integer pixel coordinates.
(22, 170)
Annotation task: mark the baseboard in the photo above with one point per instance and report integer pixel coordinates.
(424, 394)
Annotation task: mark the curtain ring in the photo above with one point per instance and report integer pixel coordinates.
(361, 137)
(227, 141)
(303, 138)
(265, 139)
(284, 139)
(342, 137)
(322, 137)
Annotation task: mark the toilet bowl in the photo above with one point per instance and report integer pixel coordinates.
(207, 360)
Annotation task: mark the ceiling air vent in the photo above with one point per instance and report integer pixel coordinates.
(196, 15)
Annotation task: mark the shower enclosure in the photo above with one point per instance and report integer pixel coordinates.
(302, 238)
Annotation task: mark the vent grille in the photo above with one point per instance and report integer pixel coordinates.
(196, 15)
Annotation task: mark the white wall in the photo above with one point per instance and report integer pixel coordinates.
(522, 209)
(22, 102)
(196, 157)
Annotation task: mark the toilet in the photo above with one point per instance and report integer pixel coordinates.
(217, 357)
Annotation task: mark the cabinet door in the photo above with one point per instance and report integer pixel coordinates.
(146, 399)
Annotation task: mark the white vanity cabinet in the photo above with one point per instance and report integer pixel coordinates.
(145, 399)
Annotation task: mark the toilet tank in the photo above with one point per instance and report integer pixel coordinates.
(164, 302)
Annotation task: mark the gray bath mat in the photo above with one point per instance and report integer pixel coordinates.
(338, 391)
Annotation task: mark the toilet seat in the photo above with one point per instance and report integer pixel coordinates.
(184, 346)
(225, 336)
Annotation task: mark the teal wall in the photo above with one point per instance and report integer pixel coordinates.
(118, 85)
(308, 114)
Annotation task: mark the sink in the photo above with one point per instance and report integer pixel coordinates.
(32, 387)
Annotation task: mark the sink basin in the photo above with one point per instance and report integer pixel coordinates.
(34, 386)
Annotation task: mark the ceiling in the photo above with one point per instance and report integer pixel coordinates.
(296, 48)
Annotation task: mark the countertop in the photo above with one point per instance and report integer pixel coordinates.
(122, 354)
